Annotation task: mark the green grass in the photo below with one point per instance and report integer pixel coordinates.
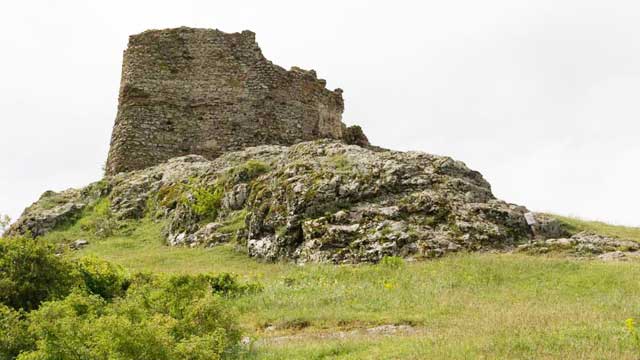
(493, 306)
(235, 222)
(468, 306)
(143, 250)
(340, 162)
(575, 225)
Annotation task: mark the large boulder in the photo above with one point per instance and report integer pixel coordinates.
(319, 201)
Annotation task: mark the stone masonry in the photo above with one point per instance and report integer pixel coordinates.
(206, 92)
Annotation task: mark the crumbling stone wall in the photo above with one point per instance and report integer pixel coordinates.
(200, 91)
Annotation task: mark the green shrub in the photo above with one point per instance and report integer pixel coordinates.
(172, 295)
(209, 346)
(169, 195)
(159, 318)
(5, 220)
(199, 319)
(205, 201)
(30, 272)
(227, 284)
(187, 286)
(211, 323)
(90, 309)
(62, 328)
(103, 278)
(247, 171)
(14, 337)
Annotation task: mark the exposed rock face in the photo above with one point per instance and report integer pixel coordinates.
(320, 201)
(585, 244)
(200, 91)
(548, 227)
(53, 210)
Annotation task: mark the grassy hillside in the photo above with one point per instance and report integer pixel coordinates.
(576, 225)
(459, 307)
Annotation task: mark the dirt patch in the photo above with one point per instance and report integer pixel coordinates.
(382, 330)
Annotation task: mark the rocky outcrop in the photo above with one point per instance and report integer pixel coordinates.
(320, 201)
(53, 210)
(584, 243)
(206, 92)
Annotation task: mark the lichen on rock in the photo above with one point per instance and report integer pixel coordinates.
(318, 201)
(56, 209)
(583, 243)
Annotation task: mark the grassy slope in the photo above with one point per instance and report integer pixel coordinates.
(576, 225)
(466, 306)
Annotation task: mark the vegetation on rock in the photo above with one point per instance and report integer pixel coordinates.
(320, 201)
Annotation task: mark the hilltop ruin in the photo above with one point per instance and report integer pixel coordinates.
(206, 92)
(233, 149)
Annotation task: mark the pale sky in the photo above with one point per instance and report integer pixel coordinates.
(539, 96)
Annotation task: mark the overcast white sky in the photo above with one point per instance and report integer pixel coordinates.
(540, 96)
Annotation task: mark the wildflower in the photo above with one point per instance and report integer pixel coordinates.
(633, 331)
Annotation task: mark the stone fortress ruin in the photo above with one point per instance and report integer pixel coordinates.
(206, 92)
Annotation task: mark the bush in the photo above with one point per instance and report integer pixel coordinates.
(107, 315)
(102, 278)
(227, 284)
(204, 200)
(184, 288)
(30, 273)
(62, 328)
(174, 318)
(5, 220)
(14, 337)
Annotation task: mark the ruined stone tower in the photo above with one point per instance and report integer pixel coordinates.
(200, 91)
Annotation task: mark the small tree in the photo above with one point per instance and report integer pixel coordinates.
(5, 220)
(31, 272)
